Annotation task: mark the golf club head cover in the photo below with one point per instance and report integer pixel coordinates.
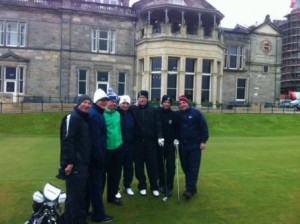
(176, 142)
(161, 142)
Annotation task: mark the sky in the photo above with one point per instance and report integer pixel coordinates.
(248, 12)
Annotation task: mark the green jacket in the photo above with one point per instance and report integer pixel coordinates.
(114, 133)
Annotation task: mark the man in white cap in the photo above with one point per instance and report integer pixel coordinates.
(127, 125)
(97, 168)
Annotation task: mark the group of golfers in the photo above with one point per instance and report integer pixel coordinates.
(108, 135)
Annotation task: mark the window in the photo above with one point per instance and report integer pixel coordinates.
(82, 82)
(13, 34)
(189, 78)
(172, 77)
(12, 79)
(265, 69)
(103, 41)
(102, 80)
(121, 83)
(241, 89)
(234, 57)
(206, 70)
(155, 78)
(1, 33)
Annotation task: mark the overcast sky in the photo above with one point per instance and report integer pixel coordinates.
(248, 12)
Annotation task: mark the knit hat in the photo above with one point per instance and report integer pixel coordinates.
(183, 98)
(82, 98)
(100, 95)
(143, 93)
(111, 95)
(166, 97)
(124, 99)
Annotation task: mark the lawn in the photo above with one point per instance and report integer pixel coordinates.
(250, 172)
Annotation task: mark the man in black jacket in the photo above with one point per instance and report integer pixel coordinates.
(76, 151)
(169, 120)
(147, 131)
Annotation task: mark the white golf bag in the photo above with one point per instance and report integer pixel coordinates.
(47, 206)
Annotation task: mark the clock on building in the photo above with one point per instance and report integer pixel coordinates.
(265, 46)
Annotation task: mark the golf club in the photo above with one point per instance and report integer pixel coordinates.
(177, 175)
(165, 175)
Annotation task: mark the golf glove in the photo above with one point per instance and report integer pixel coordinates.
(161, 142)
(176, 142)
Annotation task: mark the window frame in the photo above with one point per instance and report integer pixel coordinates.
(101, 43)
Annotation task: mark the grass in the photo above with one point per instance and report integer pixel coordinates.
(249, 173)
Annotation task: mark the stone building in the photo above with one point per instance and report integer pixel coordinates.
(252, 63)
(59, 49)
(62, 48)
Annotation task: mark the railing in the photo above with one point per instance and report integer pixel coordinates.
(51, 106)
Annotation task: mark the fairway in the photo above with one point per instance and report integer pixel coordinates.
(252, 178)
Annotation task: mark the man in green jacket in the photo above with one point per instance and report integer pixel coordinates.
(114, 156)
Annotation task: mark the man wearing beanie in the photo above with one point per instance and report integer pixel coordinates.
(166, 153)
(76, 153)
(97, 168)
(114, 153)
(127, 125)
(147, 132)
(193, 135)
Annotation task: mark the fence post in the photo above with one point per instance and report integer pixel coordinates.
(42, 105)
(1, 107)
(22, 109)
(61, 106)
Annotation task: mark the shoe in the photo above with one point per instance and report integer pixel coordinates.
(107, 218)
(155, 193)
(118, 195)
(187, 195)
(116, 201)
(143, 192)
(129, 191)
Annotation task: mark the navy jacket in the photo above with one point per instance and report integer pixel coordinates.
(193, 126)
(98, 136)
(127, 126)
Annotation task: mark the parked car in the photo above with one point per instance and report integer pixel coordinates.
(295, 103)
(285, 103)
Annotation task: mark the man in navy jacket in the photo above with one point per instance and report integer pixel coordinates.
(193, 135)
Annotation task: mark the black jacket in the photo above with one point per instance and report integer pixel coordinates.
(169, 121)
(147, 123)
(77, 144)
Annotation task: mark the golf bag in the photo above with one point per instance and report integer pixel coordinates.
(47, 206)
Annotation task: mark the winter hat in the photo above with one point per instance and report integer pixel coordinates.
(183, 98)
(143, 93)
(124, 99)
(166, 97)
(82, 98)
(111, 94)
(100, 95)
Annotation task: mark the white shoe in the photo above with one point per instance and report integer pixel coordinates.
(155, 193)
(118, 195)
(129, 191)
(143, 192)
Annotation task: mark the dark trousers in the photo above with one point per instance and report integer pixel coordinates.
(167, 167)
(113, 164)
(75, 205)
(190, 158)
(145, 153)
(127, 165)
(96, 188)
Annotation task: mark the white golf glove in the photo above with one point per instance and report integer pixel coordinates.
(176, 142)
(161, 142)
